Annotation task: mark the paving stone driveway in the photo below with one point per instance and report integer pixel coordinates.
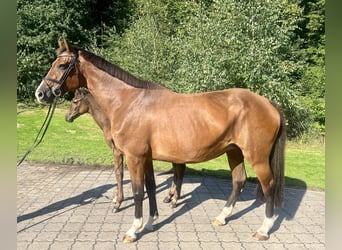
(69, 207)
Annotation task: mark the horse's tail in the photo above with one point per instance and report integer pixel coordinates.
(277, 163)
(277, 160)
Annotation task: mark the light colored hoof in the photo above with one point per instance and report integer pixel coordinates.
(116, 204)
(167, 199)
(129, 239)
(116, 208)
(216, 222)
(173, 204)
(260, 237)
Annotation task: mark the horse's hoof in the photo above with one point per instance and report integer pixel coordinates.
(116, 205)
(167, 199)
(116, 210)
(129, 239)
(173, 204)
(260, 237)
(216, 222)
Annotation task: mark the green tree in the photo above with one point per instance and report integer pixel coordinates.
(312, 89)
(40, 23)
(147, 48)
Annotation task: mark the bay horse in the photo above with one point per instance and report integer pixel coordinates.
(149, 122)
(83, 103)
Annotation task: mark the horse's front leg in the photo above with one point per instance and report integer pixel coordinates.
(172, 189)
(136, 170)
(118, 169)
(180, 173)
(150, 184)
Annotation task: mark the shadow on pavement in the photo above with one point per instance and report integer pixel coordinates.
(82, 199)
(292, 200)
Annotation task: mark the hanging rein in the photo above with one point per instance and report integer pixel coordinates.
(57, 93)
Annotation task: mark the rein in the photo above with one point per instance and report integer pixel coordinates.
(57, 93)
(42, 131)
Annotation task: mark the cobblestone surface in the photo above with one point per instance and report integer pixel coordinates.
(69, 207)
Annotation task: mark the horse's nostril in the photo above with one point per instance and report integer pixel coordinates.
(40, 95)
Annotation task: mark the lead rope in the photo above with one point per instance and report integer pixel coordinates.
(42, 130)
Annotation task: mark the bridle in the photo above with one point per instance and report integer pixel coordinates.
(56, 91)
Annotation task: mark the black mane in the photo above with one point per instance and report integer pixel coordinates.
(118, 72)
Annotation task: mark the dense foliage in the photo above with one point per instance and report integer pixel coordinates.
(274, 48)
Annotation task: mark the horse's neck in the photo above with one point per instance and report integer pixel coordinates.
(113, 96)
(104, 87)
(98, 81)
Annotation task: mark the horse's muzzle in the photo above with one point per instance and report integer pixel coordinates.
(44, 94)
(69, 118)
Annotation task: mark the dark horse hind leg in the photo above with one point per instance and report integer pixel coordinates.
(264, 174)
(176, 186)
(236, 163)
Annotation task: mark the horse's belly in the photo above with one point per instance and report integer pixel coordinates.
(188, 152)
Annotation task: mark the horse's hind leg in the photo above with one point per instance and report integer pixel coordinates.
(265, 177)
(118, 169)
(236, 163)
(176, 186)
(136, 168)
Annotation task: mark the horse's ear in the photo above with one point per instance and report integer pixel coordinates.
(66, 44)
(77, 92)
(60, 43)
(82, 93)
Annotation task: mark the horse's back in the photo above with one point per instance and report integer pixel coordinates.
(198, 127)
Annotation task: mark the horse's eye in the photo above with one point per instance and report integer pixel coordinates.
(63, 66)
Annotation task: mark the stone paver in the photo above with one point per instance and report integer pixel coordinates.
(69, 207)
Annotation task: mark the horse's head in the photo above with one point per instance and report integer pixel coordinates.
(63, 75)
(79, 105)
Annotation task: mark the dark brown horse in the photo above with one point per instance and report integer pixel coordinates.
(155, 123)
(82, 103)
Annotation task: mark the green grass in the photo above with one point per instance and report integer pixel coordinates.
(81, 142)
